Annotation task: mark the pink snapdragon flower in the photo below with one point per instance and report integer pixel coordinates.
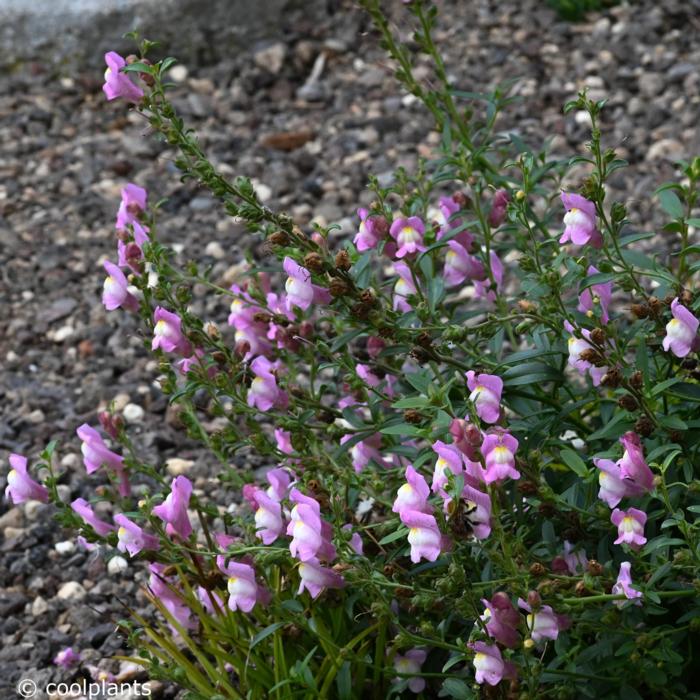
(119, 84)
(489, 665)
(85, 511)
(467, 437)
(97, 454)
(167, 333)
(131, 207)
(498, 450)
(404, 287)
(424, 536)
(485, 394)
(364, 372)
(633, 466)
(20, 486)
(283, 438)
(449, 206)
(460, 265)
(301, 292)
(132, 538)
(613, 487)
(310, 535)
(372, 230)
(499, 208)
(115, 293)
(269, 524)
(681, 331)
(624, 585)
(575, 560)
(576, 347)
(248, 330)
(162, 588)
(67, 658)
(315, 578)
(279, 480)
(449, 460)
(501, 619)
(173, 510)
(630, 527)
(413, 495)
(244, 591)
(596, 294)
(409, 664)
(485, 288)
(366, 451)
(355, 540)
(544, 623)
(264, 392)
(210, 600)
(478, 512)
(580, 221)
(408, 234)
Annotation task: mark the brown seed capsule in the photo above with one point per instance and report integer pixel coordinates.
(313, 262)
(342, 260)
(389, 570)
(689, 363)
(537, 569)
(655, 306)
(461, 199)
(644, 426)
(420, 354)
(360, 311)
(547, 510)
(526, 306)
(410, 415)
(338, 287)
(368, 297)
(528, 488)
(580, 589)
(640, 310)
(279, 238)
(424, 340)
(591, 355)
(637, 380)
(612, 378)
(325, 417)
(686, 297)
(594, 567)
(262, 317)
(598, 336)
(629, 403)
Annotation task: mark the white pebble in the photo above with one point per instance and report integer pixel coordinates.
(117, 565)
(39, 607)
(65, 547)
(178, 74)
(133, 413)
(72, 590)
(177, 466)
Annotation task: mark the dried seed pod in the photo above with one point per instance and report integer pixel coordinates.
(644, 426)
(637, 380)
(279, 238)
(314, 262)
(338, 287)
(612, 378)
(594, 567)
(629, 403)
(342, 260)
(537, 569)
(598, 336)
(411, 415)
(640, 310)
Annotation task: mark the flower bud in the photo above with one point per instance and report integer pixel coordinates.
(108, 423)
(381, 225)
(212, 330)
(526, 306)
(534, 600)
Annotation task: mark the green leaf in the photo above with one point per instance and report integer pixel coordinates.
(402, 429)
(574, 462)
(456, 688)
(671, 204)
(265, 633)
(659, 388)
(401, 532)
(412, 402)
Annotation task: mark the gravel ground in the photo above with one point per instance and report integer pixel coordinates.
(65, 153)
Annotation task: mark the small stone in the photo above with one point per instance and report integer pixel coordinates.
(271, 57)
(178, 74)
(133, 413)
(32, 508)
(215, 250)
(71, 461)
(177, 466)
(666, 149)
(64, 492)
(39, 606)
(117, 565)
(72, 590)
(65, 547)
(63, 333)
(13, 518)
(36, 417)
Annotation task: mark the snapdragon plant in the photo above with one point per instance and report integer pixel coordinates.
(479, 416)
